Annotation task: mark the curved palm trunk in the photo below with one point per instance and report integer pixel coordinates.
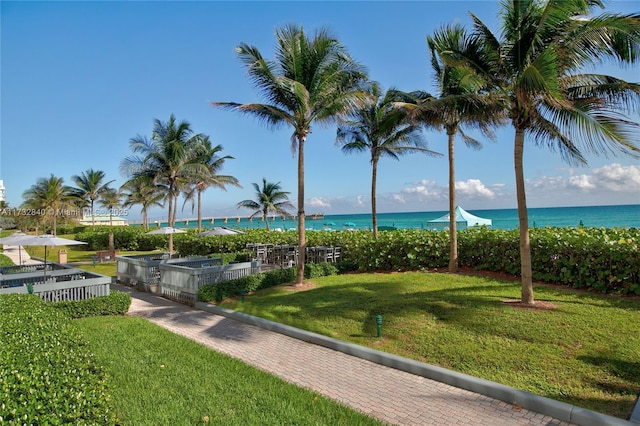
(374, 178)
(525, 245)
(453, 231)
(93, 215)
(302, 240)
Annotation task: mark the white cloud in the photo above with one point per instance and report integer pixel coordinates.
(583, 182)
(319, 202)
(612, 177)
(474, 188)
(618, 178)
(360, 200)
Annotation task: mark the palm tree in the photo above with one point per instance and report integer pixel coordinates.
(461, 102)
(90, 187)
(269, 199)
(49, 197)
(536, 68)
(213, 163)
(143, 192)
(313, 80)
(383, 130)
(111, 200)
(167, 160)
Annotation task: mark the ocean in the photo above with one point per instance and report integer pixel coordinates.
(593, 216)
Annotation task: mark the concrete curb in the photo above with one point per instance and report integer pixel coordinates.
(539, 404)
(635, 415)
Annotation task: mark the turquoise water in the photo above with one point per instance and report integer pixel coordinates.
(594, 216)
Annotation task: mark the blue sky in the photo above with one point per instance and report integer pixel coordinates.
(79, 79)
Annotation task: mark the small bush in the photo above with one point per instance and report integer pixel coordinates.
(116, 303)
(223, 290)
(313, 270)
(47, 374)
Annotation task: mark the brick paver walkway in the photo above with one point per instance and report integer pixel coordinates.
(390, 395)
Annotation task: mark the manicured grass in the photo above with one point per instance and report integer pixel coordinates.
(159, 378)
(585, 351)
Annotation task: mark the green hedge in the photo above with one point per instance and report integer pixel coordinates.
(117, 303)
(598, 258)
(47, 373)
(223, 290)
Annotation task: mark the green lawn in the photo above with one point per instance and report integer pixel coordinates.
(585, 351)
(159, 378)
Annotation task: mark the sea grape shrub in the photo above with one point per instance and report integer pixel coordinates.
(47, 373)
(496, 250)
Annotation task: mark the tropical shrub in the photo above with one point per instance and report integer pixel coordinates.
(116, 303)
(272, 278)
(47, 374)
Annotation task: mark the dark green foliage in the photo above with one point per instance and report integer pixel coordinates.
(344, 266)
(602, 259)
(124, 238)
(275, 277)
(47, 374)
(117, 303)
(313, 270)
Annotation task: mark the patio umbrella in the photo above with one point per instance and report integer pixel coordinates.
(220, 230)
(15, 240)
(167, 230)
(47, 240)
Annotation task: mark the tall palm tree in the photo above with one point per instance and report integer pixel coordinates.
(50, 197)
(536, 67)
(210, 177)
(383, 130)
(269, 199)
(90, 186)
(111, 200)
(313, 80)
(143, 192)
(462, 102)
(167, 160)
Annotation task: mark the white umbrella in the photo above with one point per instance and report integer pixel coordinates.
(220, 230)
(15, 240)
(47, 240)
(167, 230)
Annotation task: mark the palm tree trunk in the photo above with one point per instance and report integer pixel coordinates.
(374, 178)
(265, 217)
(199, 211)
(93, 216)
(523, 219)
(453, 230)
(169, 219)
(302, 240)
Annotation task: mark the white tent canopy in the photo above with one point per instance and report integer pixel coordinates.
(464, 219)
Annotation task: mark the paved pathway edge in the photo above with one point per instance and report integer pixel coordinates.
(560, 410)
